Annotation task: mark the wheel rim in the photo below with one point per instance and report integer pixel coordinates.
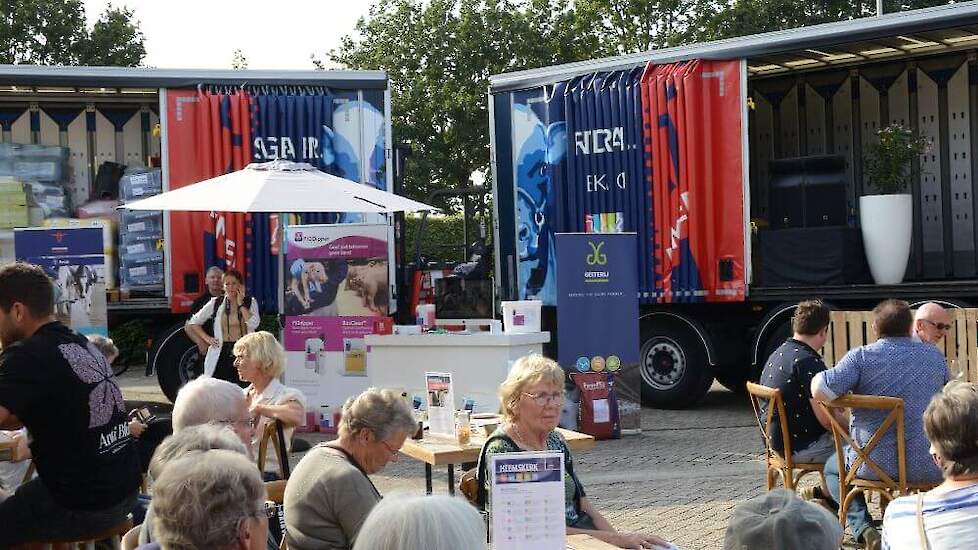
(189, 366)
(663, 363)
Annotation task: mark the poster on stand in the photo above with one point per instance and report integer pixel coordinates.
(336, 283)
(75, 261)
(441, 403)
(527, 499)
(597, 306)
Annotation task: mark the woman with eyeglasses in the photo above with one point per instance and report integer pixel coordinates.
(531, 398)
(330, 493)
(260, 360)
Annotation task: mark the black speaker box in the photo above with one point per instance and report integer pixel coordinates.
(808, 192)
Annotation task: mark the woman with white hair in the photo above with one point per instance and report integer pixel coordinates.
(409, 522)
(260, 360)
(946, 517)
(207, 400)
(531, 398)
(213, 500)
(330, 493)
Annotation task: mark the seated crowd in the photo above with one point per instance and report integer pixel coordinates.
(939, 421)
(207, 491)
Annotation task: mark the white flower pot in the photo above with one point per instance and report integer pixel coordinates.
(887, 227)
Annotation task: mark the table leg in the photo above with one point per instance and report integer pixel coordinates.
(451, 479)
(427, 478)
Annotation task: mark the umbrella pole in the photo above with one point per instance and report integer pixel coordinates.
(281, 277)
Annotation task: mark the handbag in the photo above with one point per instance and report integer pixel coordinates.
(472, 484)
(920, 522)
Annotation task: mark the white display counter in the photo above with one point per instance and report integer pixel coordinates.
(478, 362)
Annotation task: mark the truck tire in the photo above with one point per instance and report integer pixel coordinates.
(777, 337)
(176, 360)
(674, 368)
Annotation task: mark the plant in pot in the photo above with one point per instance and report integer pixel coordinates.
(886, 218)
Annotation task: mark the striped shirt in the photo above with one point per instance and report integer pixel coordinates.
(950, 520)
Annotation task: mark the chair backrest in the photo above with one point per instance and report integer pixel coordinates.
(273, 432)
(275, 491)
(893, 406)
(131, 539)
(767, 402)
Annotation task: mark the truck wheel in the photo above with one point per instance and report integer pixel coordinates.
(674, 367)
(176, 360)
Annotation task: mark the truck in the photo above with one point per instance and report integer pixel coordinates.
(192, 125)
(742, 165)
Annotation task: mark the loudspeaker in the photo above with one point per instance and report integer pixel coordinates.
(808, 192)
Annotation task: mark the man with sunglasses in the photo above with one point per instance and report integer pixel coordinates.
(931, 323)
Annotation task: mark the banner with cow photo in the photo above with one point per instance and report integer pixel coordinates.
(75, 260)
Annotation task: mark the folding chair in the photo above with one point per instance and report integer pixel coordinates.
(850, 484)
(779, 464)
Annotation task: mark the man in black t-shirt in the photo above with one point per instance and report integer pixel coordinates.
(215, 288)
(790, 369)
(58, 385)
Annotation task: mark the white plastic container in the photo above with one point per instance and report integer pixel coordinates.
(522, 316)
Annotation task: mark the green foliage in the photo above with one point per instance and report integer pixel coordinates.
(269, 323)
(442, 240)
(130, 337)
(239, 62)
(889, 160)
(53, 32)
(439, 56)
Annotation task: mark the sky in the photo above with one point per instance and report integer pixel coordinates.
(204, 33)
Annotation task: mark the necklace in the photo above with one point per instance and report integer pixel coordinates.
(524, 440)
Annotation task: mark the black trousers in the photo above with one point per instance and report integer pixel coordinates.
(225, 366)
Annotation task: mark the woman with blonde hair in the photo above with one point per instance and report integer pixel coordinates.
(531, 398)
(330, 493)
(260, 360)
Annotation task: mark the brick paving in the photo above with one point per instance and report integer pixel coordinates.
(681, 478)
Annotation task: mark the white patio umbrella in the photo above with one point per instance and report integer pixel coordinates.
(278, 186)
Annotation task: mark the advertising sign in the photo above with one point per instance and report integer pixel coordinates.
(336, 282)
(75, 260)
(597, 302)
(441, 403)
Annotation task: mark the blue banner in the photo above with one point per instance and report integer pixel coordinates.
(75, 260)
(597, 302)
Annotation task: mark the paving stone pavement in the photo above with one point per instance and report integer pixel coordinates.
(681, 478)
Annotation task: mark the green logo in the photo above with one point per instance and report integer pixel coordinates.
(596, 257)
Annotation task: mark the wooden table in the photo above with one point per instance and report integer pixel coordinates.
(437, 451)
(586, 542)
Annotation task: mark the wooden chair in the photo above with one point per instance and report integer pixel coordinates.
(275, 491)
(274, 432)
(850, 484)
(779, 464)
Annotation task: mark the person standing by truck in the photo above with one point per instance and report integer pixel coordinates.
(214, 279)
(60, 387)
(234, 315)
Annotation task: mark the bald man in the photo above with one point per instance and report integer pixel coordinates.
(931, 323)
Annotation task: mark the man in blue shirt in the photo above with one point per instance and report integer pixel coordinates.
(895, 366)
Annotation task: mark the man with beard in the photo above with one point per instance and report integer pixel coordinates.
(57, 384)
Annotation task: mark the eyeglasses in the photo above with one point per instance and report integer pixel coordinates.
(543, 399)
(938, 326)
(390, 449)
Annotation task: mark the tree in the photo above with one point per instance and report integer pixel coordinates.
(53, 32)
(439, 56)
(628, 26)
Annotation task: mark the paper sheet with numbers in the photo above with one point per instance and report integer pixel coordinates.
(527, 501)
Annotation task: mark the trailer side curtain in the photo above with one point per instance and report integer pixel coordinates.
(694, 148)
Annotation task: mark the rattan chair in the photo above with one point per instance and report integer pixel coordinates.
(764, 398)
(275, 491)
(886, 486)
(112, 535)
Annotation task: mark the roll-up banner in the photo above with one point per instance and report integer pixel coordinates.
(336, 283)
(597, 304)
(75, 260)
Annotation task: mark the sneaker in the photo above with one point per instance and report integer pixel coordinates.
(871, 539)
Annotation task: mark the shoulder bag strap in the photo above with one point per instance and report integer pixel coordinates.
(480, 477)
(920, 522)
